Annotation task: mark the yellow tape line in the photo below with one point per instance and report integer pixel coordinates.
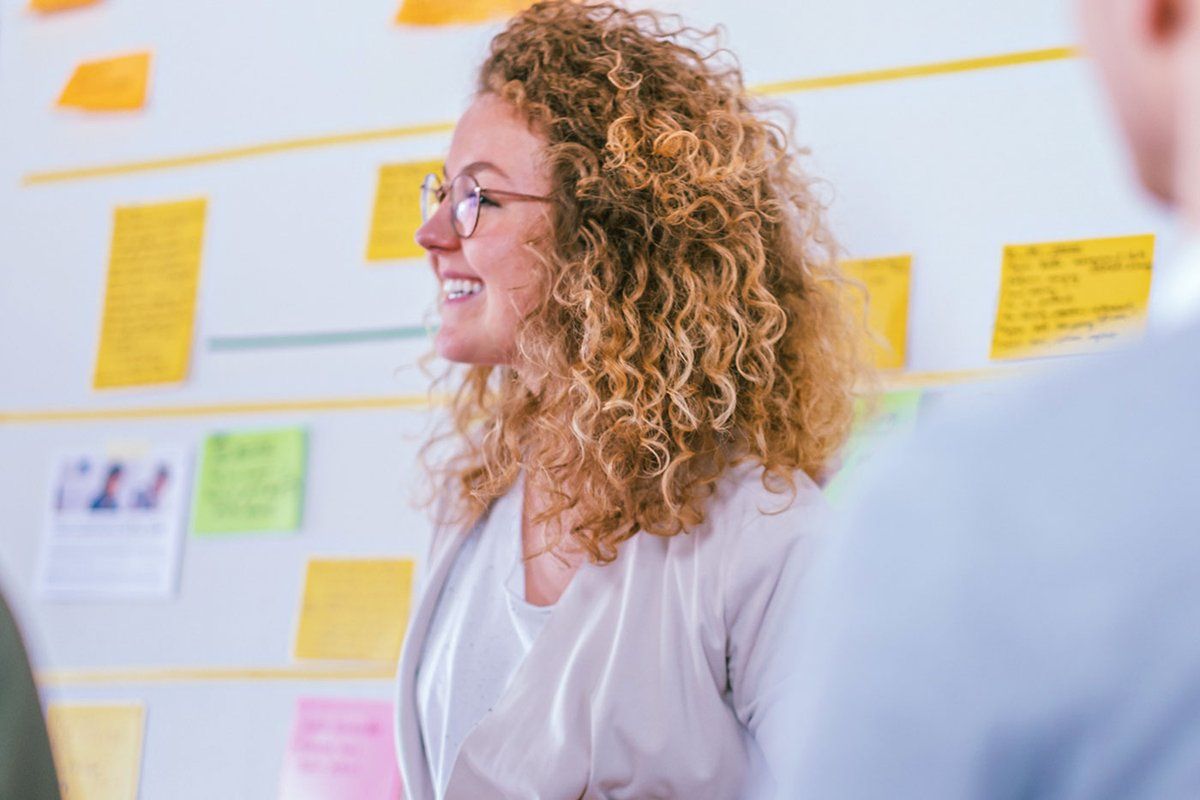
(218, 409)
(233, 153)
(907, 380)
(931, 380)
(80, 677)
(919, 70)
(308, 142)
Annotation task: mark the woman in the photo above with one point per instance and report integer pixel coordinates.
(638, 279)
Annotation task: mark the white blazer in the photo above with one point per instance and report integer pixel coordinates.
(657, 675)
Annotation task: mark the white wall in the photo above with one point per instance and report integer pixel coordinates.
(948, 168)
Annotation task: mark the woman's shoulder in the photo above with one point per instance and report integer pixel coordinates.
(749, 499)
(753, 521)
(759, 536)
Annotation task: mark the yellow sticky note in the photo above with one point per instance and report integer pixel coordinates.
(112, 84)
(1058, 298)
(354, 609)
(150, 301)
(49, 6)
(460, 12)
(97, 750)
(397, 213)
(887, 280)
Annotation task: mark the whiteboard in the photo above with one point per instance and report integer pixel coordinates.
(949, 168)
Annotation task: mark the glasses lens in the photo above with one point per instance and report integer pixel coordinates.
(431, 189)
(464, 197)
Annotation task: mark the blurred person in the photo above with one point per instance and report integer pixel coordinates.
(1013, 609)
(656, 360)
(150, 496)
(26, 766)
(107, 499)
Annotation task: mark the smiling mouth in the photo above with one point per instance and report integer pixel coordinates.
(459, 289)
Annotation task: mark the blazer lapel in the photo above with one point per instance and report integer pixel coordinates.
(418, 784)
(513, 746)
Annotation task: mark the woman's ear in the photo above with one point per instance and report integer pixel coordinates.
(1164, 20)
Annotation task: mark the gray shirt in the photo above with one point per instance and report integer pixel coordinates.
(1013, 610)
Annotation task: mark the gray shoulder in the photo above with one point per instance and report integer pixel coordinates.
(1087, 410)
(1093, 459)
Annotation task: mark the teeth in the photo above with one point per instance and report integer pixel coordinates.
(455, 288)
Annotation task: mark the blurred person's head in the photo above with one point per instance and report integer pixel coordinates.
(668, 303)
(1148, 53)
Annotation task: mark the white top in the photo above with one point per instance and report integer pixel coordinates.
(658, 675)
(481, 631)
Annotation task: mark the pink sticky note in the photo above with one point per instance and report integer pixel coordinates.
(341, 749)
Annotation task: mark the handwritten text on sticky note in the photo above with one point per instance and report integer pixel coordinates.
(150, 300)
(1070, 297)
(251, 482)
(341, 749)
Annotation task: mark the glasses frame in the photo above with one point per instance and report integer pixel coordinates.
(440, 189)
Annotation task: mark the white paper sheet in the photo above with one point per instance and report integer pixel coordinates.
(114, 525)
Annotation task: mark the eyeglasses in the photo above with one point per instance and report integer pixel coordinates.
(466, 195)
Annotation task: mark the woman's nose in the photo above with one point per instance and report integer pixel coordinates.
(437, 232)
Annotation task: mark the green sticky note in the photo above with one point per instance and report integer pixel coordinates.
(895, 413)
(251, 482)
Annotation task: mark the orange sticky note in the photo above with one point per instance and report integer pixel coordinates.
(887, 280)
(50, 6)
(1059, 298)
(460, 12)
(354, 609)
(397, 213)
(112, 84)
(150, 299)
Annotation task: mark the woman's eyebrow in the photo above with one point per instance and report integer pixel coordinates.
(478, 166)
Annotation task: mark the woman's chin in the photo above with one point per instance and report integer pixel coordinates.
(450, 349)
(459, 350)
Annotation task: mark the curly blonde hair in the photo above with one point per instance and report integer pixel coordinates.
(691, 315)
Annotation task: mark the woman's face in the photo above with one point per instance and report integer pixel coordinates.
(486, 281)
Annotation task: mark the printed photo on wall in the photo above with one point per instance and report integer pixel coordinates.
(114, 525)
